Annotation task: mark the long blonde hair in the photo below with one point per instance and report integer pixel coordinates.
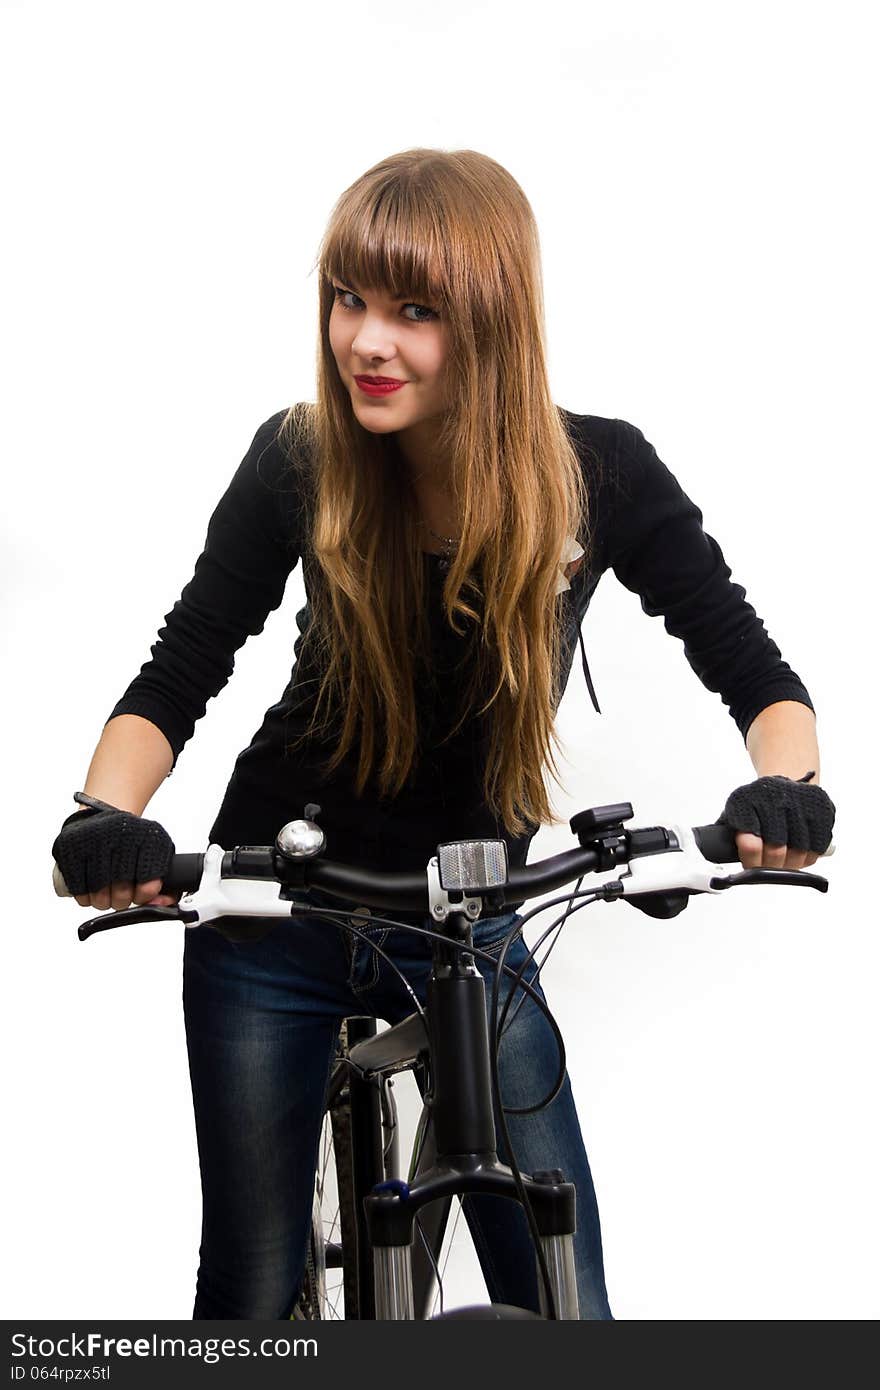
(454, 230)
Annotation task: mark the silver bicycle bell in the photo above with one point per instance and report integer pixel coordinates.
(301, 839)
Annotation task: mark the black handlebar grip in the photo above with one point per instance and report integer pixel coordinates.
(184, 873)
(717, 843)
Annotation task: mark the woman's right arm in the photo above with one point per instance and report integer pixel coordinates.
(130, 763)
(252, 544)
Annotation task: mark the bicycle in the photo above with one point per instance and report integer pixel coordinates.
(386, 1273)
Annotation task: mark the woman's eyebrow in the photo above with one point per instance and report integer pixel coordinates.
(352, 285)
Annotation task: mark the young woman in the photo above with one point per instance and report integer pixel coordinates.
(452, 524)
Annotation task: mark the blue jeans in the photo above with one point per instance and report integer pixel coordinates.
(262, 1014)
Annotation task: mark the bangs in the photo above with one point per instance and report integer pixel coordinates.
(392, 247)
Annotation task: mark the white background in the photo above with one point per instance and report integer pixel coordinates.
(701, 176)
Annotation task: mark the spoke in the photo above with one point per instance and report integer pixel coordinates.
(449, 1243)
(335, 1304)
(330, 1308)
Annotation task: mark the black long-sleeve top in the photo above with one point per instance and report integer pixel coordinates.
(645, 529)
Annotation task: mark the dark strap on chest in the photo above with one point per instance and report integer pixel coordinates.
(587, 677)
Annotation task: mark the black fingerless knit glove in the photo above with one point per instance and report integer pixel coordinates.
(102, 845)
(783, 812)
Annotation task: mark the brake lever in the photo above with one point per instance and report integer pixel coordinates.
(797, 877)
(127, 915)
(687, 870)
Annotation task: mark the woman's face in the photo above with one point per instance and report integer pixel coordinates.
(374, 335)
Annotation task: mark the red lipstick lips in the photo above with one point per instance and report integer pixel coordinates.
(379, 385)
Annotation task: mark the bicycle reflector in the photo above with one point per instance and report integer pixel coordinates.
(471, 866)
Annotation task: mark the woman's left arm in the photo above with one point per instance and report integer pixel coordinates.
(656, 545)
(781, 741)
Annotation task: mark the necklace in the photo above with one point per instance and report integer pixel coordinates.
(450, 545)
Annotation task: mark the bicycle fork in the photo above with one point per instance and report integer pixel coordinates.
(391, 1209)
(466, 1158)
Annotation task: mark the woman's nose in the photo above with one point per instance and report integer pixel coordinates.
(373, 338)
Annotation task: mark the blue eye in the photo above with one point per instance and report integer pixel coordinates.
(340, 297)
(422, 308)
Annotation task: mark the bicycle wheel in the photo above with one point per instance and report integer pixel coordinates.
(486, 1312)
(329, 1290)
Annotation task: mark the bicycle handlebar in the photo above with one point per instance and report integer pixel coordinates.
(663, 866)
(716, 843)
(407, 891)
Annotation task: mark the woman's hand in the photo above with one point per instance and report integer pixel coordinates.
(120, 895)
(780, 823)
(113, 858)
(755, 853)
